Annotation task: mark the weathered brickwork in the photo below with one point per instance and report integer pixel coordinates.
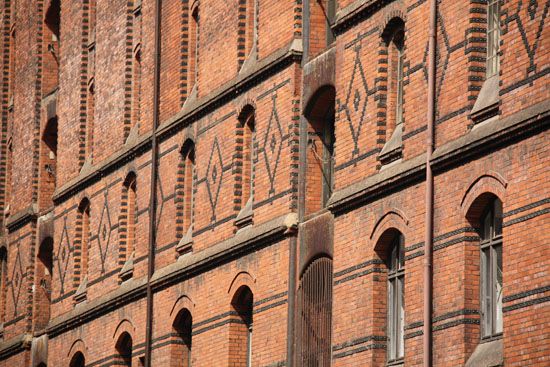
(225, 187)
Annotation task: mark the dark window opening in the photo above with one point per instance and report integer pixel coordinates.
(124, 351)
(49, 163)
(3, 279)
(181, 348)
(78, 360)
(44, 273)
(185, 189)
(241, 328)
(247, 160)
(51, 47)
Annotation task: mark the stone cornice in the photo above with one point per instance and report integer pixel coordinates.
(15, 345)
(245, 241)
(22, 217)
(191, 112)
(484, 137)
(356, 12)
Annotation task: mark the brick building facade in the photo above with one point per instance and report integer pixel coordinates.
(345, 183)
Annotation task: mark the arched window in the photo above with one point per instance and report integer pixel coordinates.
(395, 262)
(315, 314)
(44, 273)
(136, 86)
(240, 354)
(90, 105)
(123, 347)
(51, 39)
(78, 360)
(3, 278)
(181, 346)
(393, 38)
(320, 153)
(127, 222)
(390, 250)
(82, 241)
(244, 165)
(193, 37)
(184, 195)
(491, 269)
(48, 157)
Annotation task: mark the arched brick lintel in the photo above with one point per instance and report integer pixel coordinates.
(490, 182)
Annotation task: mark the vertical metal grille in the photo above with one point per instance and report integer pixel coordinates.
(315, 314)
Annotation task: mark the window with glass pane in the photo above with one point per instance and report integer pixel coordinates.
(491, 270)
(396, 310)
(493, 37)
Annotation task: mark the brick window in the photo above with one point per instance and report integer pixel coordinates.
(491, 270)
(44, 273)
(193, 56)
(320, 153)
(181, 345)
(136, 66)
(123, 349)
(185, 188)
(493, 37)
(90, 106)
(82, 240)
(392, 73)
(240, 333)
(245, 29)
(127, 220)
(244, 165)
(395, 262)
(51, 47)
(314, 322)
(78, 360)
(48, 166)
(3, 279)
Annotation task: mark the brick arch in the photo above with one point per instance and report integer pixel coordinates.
(131, 169)
(124, 326)
(244, 106)
(183, 302)
(392, 13)
(391, 219)
(77, 346)
(488, 183)
(243, 278)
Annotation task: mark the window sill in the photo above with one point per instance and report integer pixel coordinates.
(396, 363)
(245, 216)
(488, 353)
(487, 102)
(186, 243)
(393, 149)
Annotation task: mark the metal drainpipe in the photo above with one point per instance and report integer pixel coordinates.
(293, 246)
(153, 192)
(428, 241)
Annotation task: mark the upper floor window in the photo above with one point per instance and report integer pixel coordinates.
(81, 242)
(123, 348)
(491, 269)
(193, 39)
(320, 155)
(244, 165)
(396, 309)
(245, 29)
(493, 37)
(78, 360)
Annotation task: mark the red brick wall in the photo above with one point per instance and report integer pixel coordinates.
(223, 257)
